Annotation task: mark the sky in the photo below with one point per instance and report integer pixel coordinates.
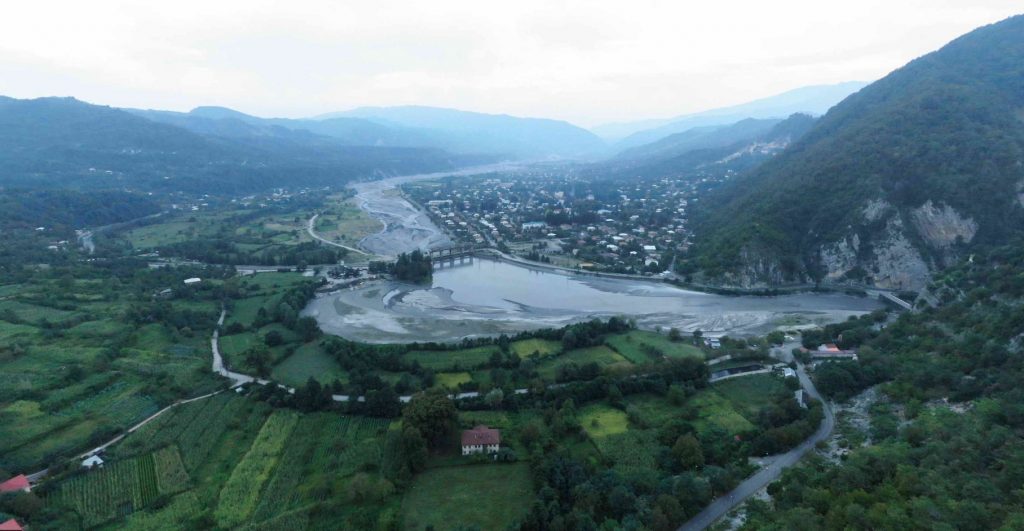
(588, 62)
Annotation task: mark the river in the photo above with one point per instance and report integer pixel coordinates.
(486, 297)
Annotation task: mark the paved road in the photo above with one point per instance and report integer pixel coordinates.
(722, 505)
(313, 234)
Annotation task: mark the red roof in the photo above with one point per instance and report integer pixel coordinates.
(10, 525)
(481, 435)
(19, 482)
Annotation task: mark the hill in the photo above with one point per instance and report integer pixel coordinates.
(471, 132)
(66, 143)
(708, 152)
(814, 100)
(700, 138)
(895, 181)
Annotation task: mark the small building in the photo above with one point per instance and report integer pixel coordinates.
(10, 525)
(534, 225)
(800, 400)
(93, 461)
(15, 484)
(193, 280)
(788, 373)
(481, 439)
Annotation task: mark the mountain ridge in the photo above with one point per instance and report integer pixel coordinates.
(894, 182)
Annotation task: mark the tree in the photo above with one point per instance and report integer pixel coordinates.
(307, 328)
(432, 414)
(273, 338)
(383, 403)
(687, 450)
(674, 334)
(258, 357)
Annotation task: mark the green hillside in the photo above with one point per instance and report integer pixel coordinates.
(850, 200)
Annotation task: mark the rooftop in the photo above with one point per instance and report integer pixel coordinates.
(481, 435)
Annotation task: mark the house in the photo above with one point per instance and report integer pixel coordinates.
(19, 482)
(10, 525)
(193, 280)
(830, 351)
(481, 439)
(92, 461)
(788, 373)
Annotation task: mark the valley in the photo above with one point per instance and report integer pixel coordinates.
(763, 297)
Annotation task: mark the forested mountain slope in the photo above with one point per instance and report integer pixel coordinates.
(943, 445)
(701, 138)
(66, 143)
(897, 180)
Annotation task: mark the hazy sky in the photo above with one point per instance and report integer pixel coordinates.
(587, 61)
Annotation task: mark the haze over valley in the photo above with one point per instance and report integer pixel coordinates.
(542, 266)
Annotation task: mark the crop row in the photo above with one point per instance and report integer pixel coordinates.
(171, 476)
(116, 490)
(241, 492)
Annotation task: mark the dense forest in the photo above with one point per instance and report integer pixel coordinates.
(945, 128)
(948, 453)
(62, 210)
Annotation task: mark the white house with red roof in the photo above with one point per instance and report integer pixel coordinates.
(481, 439)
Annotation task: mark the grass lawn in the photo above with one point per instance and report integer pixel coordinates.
(447, 359)
(451, 379)
(484, 496)
(599, 420)
(544, 347)
(601, 355)
(308, 360)
(641, 346)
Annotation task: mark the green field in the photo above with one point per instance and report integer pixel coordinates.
(308, 360)
(232, 460)
(543, 347)
(440, 360)
(599, 420)
(484, 496)
(641, 346)
(601, 355)
(451, 379)
(750, 393)
(716, 410)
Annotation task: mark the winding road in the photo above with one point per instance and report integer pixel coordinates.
(314, 235)
(723, 504)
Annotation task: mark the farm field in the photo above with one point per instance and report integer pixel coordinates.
(599, 420)
(524, 348)
(309, 360)
(452, 360)
(228, 460)
(484, 496)
(601, 355)
(76, 369)
(642, 346)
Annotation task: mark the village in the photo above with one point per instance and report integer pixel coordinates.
(634, 226)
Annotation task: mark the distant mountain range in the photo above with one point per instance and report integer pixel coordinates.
(814, 100)
(897, 180)
(66, 143)
(471, 132)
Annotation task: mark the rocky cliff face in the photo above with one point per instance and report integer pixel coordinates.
(898, 256)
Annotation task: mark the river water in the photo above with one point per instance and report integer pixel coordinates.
(484, 297)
